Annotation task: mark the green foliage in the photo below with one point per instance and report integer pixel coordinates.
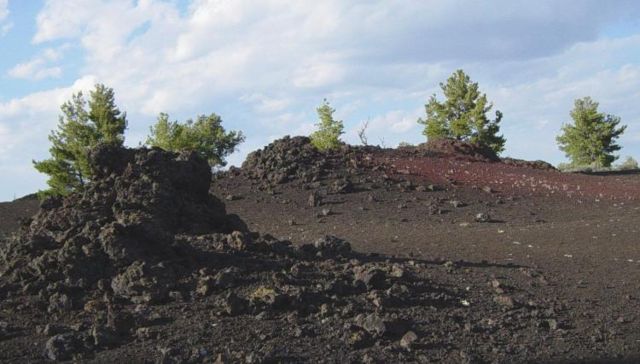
(78, 131)
(590, 140)
(463, 114)
(571, 168)
(564, 167)
(109, 122)
(205, 135)
(629, 164)
(329, 130)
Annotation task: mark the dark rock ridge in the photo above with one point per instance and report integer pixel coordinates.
(460, 149)
(285, 159)
(120, 228)
(296, 159)
(542, 165)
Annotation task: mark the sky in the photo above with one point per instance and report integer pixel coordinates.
(265, 65)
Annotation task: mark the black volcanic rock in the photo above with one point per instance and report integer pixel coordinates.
(120, 228)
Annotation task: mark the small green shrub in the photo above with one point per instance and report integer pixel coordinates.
(329, 130)
(205, 135)
(628, 164)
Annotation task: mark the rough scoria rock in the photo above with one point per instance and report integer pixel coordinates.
(119, 230)
(296, 159)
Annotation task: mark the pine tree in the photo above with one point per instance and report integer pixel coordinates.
(590, 140)
(206, 136)
(109, 122)
(329, 130)
(79, 130)
(462, 115)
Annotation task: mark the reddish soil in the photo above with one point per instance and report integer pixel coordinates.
(514, 180)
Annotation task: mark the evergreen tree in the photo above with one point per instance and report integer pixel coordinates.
(462, 115)
(590, 140)
(206, 136)
(78, 131)
(329, 130)
(109, 122)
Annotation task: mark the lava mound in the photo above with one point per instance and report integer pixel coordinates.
(460, 149)
(122, 226)
(538, 164)
(296, 159)
(285, 159)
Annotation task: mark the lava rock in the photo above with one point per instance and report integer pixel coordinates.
(373, 323)
(342, 186)
(120, 321)
(54, 329)
(373, 278)
(482, 217)
(60, 302)
(330, 245)
(104, 337)
(505, 301)
(457, 204)
(233, 305)
(143, 283)
(315, 199)
(65, 346)
(358, 339)
(118, 229)
(408, 339)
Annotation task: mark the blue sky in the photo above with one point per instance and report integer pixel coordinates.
(265, 65)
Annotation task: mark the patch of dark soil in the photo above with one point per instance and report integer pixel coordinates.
(12, 213)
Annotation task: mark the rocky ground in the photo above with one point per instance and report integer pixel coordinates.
(440, 253)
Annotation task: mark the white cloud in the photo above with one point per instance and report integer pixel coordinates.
(4, 9)
(33, 116)
(39, 67)
(5, 24)
(389, 128)
(319, 72)
(6, 141)
(265, 66)
(231, 47)
(265, 104)
(25, 124)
